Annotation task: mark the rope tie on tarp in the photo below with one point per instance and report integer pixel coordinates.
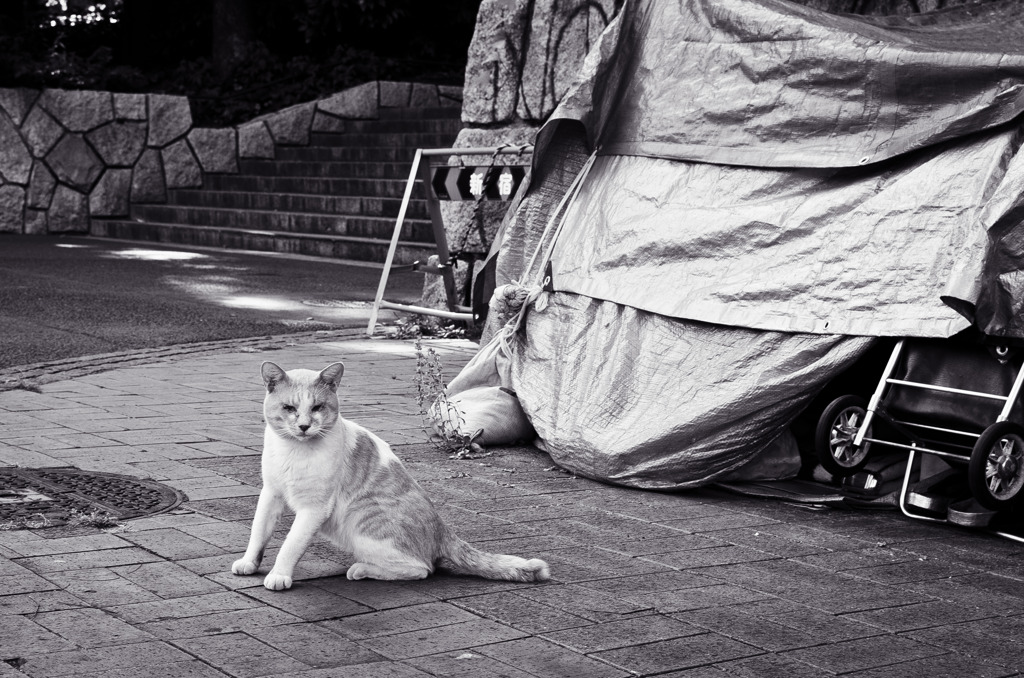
(530, 293)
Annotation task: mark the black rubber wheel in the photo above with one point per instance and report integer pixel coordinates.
(995, 473)
(833, 438)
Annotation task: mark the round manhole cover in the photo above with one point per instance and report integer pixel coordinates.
(50, 496)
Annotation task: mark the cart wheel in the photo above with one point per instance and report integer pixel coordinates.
(996, 471)
(833, 438)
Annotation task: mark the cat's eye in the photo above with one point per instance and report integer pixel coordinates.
(289, 408)
(317, 407)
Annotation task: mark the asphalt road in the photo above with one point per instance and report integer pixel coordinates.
(65, 297)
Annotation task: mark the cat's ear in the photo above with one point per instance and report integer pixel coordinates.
(272, 375)
(331, 375)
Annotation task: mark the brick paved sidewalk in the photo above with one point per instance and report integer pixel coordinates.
(702, 584)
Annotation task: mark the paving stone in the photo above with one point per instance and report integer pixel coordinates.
(380, 595)
(138, 657)
(168, 580)
(678, 653)
(65, 562)
(919, 616)
(522, 613)
(217, 623)
(711, 557)
(22, 636)
(49, 547)
(172, 544)
(383, 669)
(544, 658)
(186, 669)
(307, 602)
(941, 666)
(645, 584)
(699, 597)
(465, 664)
(586, 602)
(38, 601)
(734, 623)
(399, 620)
(765, 666)
(314, 645)
(462, 635)
(628, 632)
(867, 653)
(100, 587)
(241, 655)
(182, 608)
(91, 628)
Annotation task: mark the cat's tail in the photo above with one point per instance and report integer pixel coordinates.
(458, 557)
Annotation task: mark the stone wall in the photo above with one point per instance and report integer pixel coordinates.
(523, 57)
(68, 155)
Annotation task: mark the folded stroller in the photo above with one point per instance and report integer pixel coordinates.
(956, 399)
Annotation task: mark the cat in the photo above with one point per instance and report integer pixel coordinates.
(344, 483)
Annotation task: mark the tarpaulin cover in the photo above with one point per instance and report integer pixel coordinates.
(773, 187)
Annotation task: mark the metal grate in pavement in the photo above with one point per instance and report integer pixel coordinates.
(48, 496)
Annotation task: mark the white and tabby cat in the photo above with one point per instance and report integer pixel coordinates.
(345, 484)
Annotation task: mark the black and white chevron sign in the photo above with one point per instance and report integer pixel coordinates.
(497, 182)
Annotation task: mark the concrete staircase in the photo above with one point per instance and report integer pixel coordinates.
(337, 197)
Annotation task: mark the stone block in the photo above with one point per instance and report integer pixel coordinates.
(148, 183)
(356, 103)
(69, 211)
(170, 117)
(15, 159)
(323, 122)
(492, 71)
(423, 96)
(41, 186)
(35, 222)
(130, 106)
(508, 78)
(119, 143)
(181, 169)
(546, 75)
(41, 131)
(292, 125)
(217, 149)
(74, 162)
(254, 141)
(110, 196)
(449, 96)
(78, 111)
(12, 208)
(395, 94)
(17, 102)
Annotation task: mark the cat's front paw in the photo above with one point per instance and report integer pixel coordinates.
(277, 582)
(244, 567)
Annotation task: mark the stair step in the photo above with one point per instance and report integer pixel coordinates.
(298, 202)
(340, 247)
(416, 230)
(409, 125)
(347, 154)
(395, 139)
(386, 188)
(430, 112)
(328, 169)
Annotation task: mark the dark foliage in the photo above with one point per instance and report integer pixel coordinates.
(260, 55)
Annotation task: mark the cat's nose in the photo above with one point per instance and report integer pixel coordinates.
(303, 427)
